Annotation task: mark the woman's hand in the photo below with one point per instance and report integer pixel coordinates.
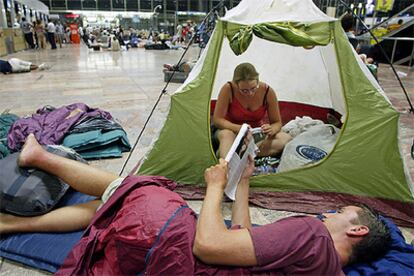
(216, 176)
(248, 171)
(269, 130)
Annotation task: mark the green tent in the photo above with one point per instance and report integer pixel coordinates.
(306, 57)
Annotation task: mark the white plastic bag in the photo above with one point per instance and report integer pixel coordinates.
(308, 147)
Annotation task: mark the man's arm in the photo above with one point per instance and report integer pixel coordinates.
(214, 243)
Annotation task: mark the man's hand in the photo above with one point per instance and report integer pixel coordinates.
(248, 171)
(216, 176)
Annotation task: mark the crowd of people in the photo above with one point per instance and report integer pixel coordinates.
(39, 34)
(36, 33)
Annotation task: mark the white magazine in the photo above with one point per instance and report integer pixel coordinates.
(237, 159)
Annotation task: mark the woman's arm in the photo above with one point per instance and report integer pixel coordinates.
(240, 213)
(221, 109)
(214, 243)
(273, 112)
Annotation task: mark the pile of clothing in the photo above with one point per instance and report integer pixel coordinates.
(6, 121)
(91, 132)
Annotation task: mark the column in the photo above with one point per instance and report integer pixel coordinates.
(3, 19)
(175, 17)
(164, 8)
(12, 13)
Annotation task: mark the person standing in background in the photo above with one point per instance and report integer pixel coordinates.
(51, 30)
(40, 32)
(28, 32)
(59, 33)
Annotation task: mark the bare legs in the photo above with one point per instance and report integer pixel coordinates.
(268, 147)
(66, 219)
(79, 176)
(274, 146)
(226, 138)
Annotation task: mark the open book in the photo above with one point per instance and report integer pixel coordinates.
(237, 159)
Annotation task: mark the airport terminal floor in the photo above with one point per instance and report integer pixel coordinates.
(127, 84)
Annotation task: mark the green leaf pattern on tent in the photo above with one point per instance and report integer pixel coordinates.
(291, 33)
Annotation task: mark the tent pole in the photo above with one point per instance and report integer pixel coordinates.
(411, 109)
(164, 90)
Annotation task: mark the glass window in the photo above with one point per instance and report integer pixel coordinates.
(156, 3)
(182, 5)
(171, 5)
(132, 5)
(89, 4)
(146, 5)
(194, 5)
(58, 4)
(104, 5)
(74, 5)
(46, 2)
(118, 4)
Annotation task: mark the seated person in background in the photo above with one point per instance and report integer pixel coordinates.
(115, 45)
(307, 245)
(347, 22)
(15, 65)
(395, 26)
(184, 66)
(247, 100)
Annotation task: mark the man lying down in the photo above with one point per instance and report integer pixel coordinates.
(142, 226)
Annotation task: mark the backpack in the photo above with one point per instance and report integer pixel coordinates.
(28, 191)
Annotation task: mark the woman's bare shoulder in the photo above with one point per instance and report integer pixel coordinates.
(226, 89)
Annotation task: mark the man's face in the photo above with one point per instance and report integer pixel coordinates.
(341, 219)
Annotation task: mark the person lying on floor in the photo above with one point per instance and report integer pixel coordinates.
(245, 99)
(149, 229)
(15, 65)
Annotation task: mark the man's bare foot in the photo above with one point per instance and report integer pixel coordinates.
(31, 152)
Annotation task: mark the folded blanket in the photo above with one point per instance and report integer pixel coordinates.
(98, 144)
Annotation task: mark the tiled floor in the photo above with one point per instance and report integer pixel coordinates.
(127, 84)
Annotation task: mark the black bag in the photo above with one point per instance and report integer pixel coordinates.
(30, 192)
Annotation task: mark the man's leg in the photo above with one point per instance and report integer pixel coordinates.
(52, 40)
(65, 219)
(79, 176)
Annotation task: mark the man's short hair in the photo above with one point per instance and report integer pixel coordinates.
(376, 243)
(347, 22)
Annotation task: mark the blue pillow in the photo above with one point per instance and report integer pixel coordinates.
(398, 261)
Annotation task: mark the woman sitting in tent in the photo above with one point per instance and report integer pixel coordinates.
(247, 100)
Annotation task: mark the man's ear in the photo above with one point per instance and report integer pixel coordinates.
(358, 231)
